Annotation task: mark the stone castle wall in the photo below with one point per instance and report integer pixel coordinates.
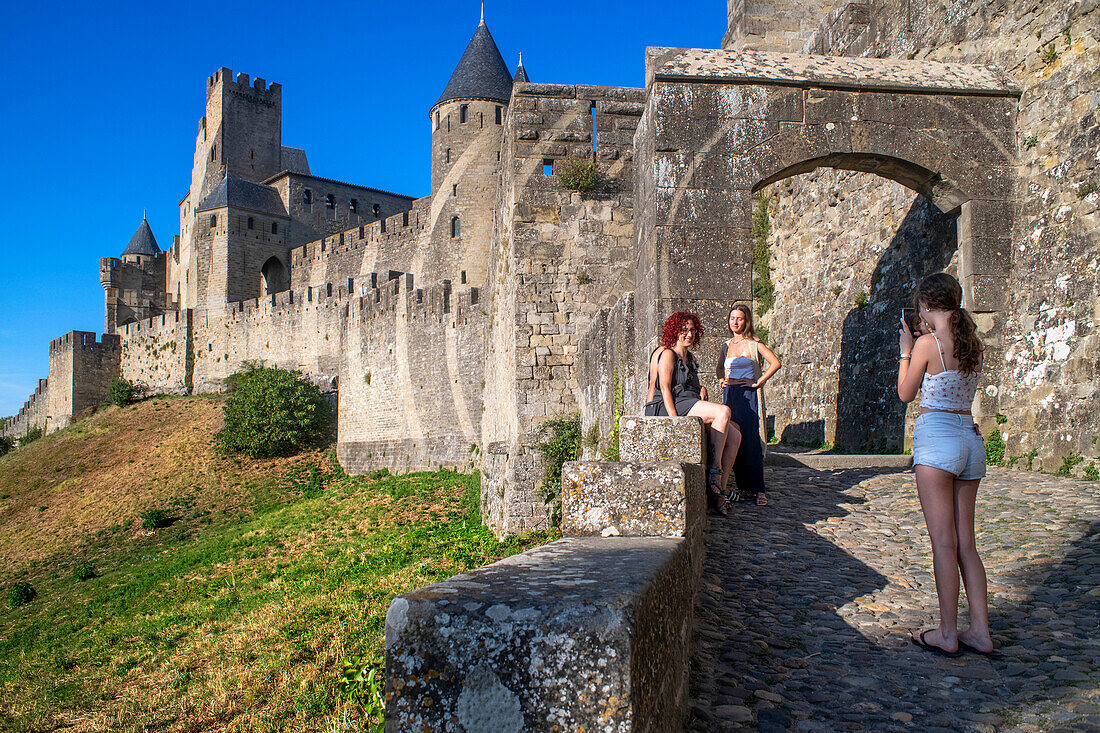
(559, 257)
(158, 353)
(31, 415)
(861, 233)
(81, 368)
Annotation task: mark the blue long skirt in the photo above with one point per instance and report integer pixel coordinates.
(748, 469)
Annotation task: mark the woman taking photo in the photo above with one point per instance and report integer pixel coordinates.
(944, 366)
(739, 371)
(680, 393)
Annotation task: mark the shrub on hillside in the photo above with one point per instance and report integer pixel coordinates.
(122, 392)
(20, 594)
(30, 436)
(273, 412)
(6, 444)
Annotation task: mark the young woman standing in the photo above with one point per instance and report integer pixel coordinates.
(739, 371)
(944, 366)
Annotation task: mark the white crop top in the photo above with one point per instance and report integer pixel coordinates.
(950, 389)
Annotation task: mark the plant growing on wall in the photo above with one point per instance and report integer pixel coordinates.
(995, 448)
(763, 289)
(579, 174)
(560, 441)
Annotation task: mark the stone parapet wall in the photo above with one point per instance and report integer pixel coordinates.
(31, 415)
(81, 368)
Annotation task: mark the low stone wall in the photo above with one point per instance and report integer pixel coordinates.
(589, 632)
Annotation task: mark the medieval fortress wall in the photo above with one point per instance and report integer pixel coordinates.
(453, 326)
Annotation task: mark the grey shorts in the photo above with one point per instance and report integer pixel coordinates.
(949, 442)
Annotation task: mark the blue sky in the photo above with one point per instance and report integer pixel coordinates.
(101, 103)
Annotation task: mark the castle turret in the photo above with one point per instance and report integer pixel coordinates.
(472, 103)
(134, 286)
(521, 73)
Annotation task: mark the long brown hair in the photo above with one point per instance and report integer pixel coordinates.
(943, 292)
(747, 311)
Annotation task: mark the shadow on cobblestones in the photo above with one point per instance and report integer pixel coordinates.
(807, 604)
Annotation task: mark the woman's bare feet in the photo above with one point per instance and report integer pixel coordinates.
(977, 642)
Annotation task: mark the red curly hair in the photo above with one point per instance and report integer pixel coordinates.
(674, 326)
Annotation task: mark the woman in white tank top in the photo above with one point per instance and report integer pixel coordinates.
(944, 366)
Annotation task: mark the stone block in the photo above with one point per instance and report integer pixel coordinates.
(984, 293)
(631, 499)
(580, 634)
(679, 439)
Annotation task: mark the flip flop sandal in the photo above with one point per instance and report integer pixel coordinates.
(919, 641)
(715, 497)
(991, 654)
(761, 499)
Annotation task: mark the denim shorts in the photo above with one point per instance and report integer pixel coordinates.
(948, 441)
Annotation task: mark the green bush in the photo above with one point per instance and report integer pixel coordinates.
(273, 412)
(6, 444)
(1091, 474)
(364, 680)
(995, 448)
(122, 392)
(580, 174)
(1069, 463)
(30, 436)
(84, 571)
(154, 518)
(20, 594)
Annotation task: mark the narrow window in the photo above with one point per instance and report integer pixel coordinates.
(454, 189)
(455, 227)
(213, 151)
(307, 198)
(436, 125)
(480, 119)
(213, 220)
(462, 277)
(341, 239)
(404, 218)
(252, 155)
(547, 167)
(448, 155)
(498, 156)
(593, 110)
(463, 113)
(361, 231)
(274, 227)
(354, 206)
(330, 202)
(499, 114)
(376, 210)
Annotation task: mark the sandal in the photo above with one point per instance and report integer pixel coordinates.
(715, 497)
(761, 499)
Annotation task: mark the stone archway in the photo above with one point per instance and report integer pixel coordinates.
(720, 125)
(273, 277)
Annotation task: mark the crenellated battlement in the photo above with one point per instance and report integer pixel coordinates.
(361, 237)
(244, 84)
(86, 340)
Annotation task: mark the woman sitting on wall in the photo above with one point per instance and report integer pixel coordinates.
(739, 371)
(680, 393)
(948, 456)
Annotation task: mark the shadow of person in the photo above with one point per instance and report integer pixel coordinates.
(869, 415)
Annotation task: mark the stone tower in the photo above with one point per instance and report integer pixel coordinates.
(134, 286)
(467, 129)
(778, 25)
(240, 243)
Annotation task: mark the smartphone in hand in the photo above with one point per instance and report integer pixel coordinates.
(909, 315)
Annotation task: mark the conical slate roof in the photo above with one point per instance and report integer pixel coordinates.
(481, 72)
(521, 73)
(242, 194)
(143, 242)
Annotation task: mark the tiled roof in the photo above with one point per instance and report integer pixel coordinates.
(143, 242)
(481, 72)
(242, 194)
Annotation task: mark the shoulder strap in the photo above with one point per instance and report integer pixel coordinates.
(940, 350)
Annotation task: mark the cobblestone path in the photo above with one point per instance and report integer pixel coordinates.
(807, 605)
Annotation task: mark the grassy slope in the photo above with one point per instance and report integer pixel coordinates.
(236, 616)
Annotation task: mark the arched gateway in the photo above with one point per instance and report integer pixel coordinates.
(720, 125)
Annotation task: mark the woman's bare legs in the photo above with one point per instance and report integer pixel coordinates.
(970, 564)
(936, 489)
(717, 419)
(729, 452)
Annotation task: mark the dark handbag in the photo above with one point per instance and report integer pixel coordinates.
(655, 408)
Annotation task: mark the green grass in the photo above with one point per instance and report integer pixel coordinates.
(238, 620)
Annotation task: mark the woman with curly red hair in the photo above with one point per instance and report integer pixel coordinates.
(681, 393)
